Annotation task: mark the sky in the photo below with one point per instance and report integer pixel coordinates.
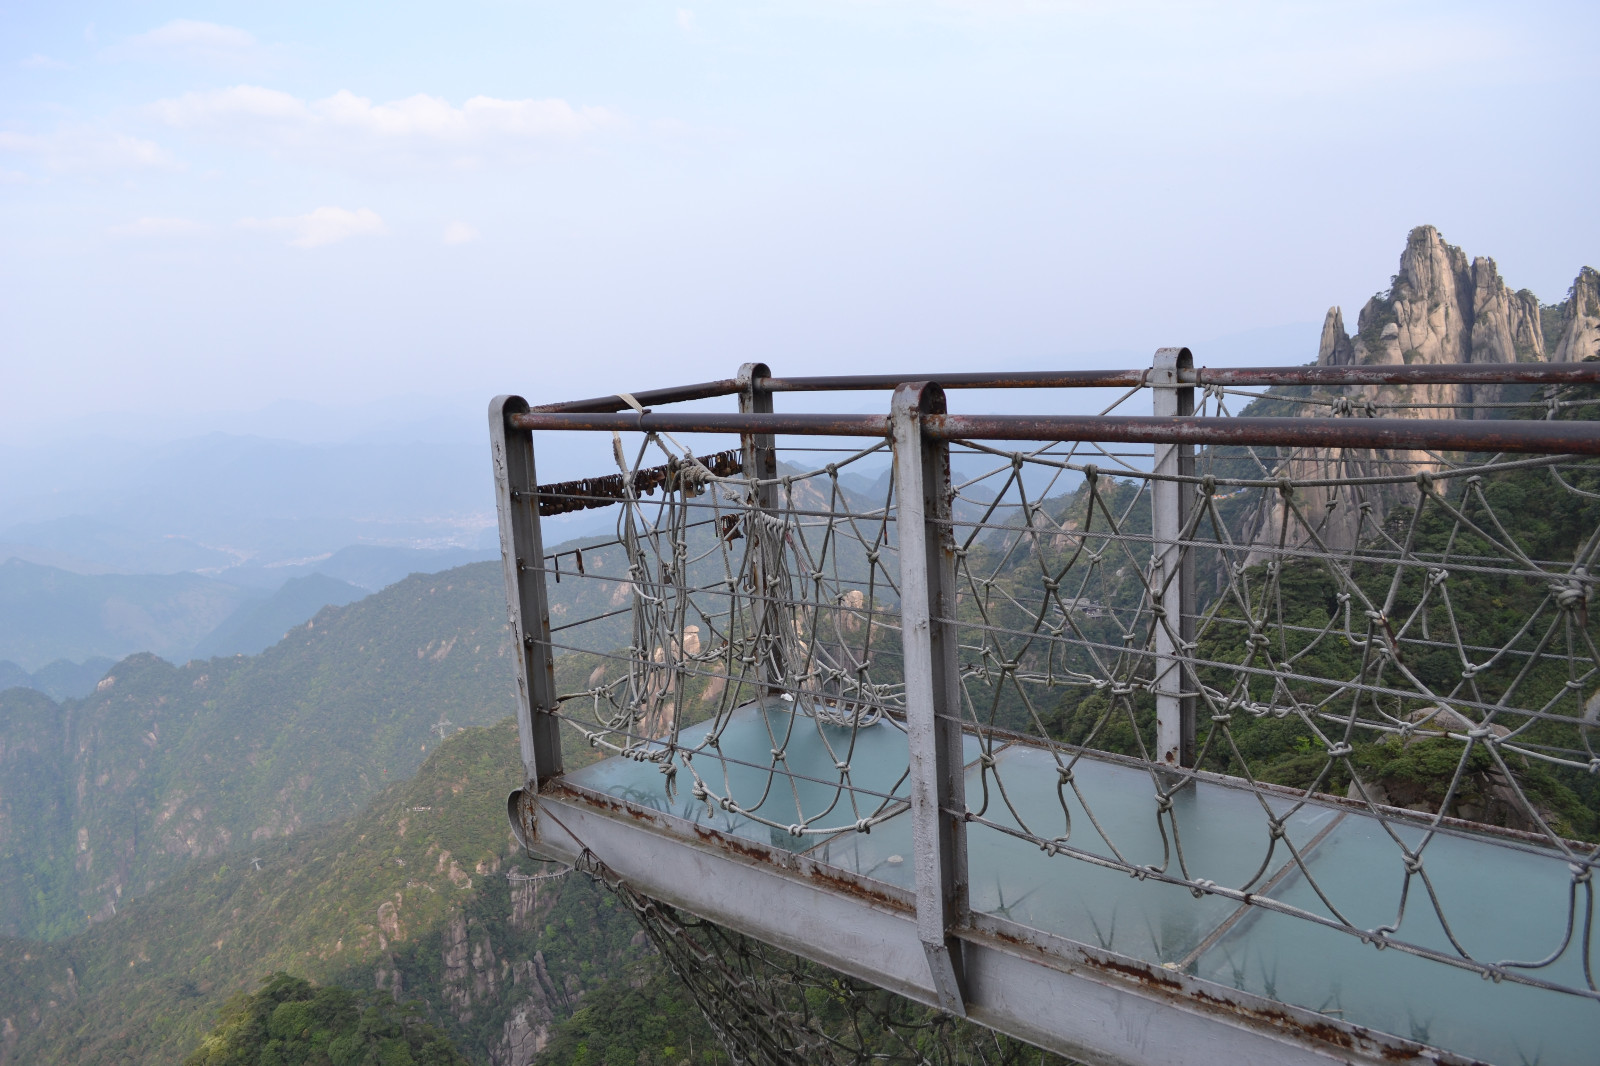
(212, 209)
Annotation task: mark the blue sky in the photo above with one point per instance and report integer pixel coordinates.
(215, 206)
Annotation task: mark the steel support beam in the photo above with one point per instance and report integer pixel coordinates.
(933, 686)
(1172, 587)
(1090, 1005)
(527, 606)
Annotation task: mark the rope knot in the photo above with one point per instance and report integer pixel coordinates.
(1413, 864)
(1208, 485)
(864, 826)
(1424, 482)
(1275, 828)
(1163, 803)
(1339, 750)
(1285, 487)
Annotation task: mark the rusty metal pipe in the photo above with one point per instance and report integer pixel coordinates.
(711, 422)
(1498, 435)
(1451, 374)
(673, 394)
(1455, 374)
(1022, 379)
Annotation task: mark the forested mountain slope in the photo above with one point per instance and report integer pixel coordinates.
(411, 896)
(105, 797)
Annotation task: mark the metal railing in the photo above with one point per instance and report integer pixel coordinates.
(1365, 623)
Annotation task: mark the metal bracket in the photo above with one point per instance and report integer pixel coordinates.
(933, 686)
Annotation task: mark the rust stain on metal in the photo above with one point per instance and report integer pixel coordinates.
(854, 888)
(1168, 984)
(603, 491)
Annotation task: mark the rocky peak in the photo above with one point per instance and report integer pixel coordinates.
(1441, 308)
(1335, 348)
(1580, 339)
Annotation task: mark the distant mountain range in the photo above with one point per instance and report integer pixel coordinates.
(103, 798)
(185, 831)
(53, 619)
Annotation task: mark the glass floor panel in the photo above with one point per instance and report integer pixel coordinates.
(814, 788)
(1504, 903)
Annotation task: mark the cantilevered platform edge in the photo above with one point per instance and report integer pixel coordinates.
(1096, 1006)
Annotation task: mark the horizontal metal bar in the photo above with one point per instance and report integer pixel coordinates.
(712, 422)
(1454, 373)
(1445, 374)
(1455, 435)
(1019, 379)
(1459, 435)
(673, 394)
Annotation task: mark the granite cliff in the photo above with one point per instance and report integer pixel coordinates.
(1441, 308)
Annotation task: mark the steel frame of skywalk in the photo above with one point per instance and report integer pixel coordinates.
(1069, 997)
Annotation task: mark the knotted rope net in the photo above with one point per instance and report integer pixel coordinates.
(1395, 643)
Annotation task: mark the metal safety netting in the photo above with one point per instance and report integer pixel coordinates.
(1212, 704)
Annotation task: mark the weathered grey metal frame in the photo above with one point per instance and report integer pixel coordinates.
(933, 688)
(1089, 1004)
(1172, 572)
(527, 605)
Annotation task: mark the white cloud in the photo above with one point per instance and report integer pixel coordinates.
(154, 226)
(685, 19)
(460, 233)
(38, 61)
(325, 225)
(82, 149)
(345, 122)
(188, 39)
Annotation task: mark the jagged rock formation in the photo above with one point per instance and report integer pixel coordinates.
(1581, 314)
(1440, 309)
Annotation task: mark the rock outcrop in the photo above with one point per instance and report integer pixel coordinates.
(1441, 308)
(1580, 315)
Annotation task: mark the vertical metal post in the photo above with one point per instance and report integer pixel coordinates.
(527, 605)
(933, 685)
(761, 462)
(1172, 567)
